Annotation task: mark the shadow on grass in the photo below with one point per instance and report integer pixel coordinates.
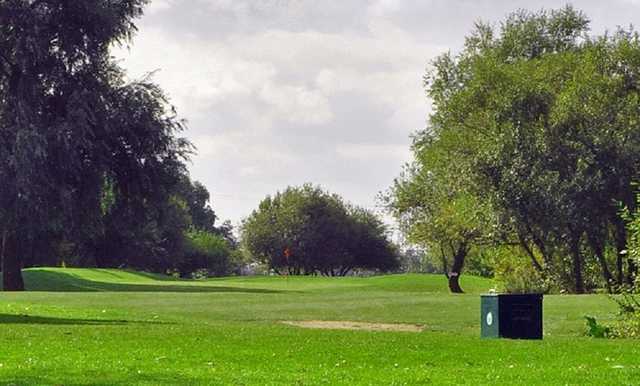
(99, 378)
(33, 319)
(45, 280)
(118, 273)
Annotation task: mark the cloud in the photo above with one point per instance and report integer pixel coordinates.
(157, 6)
(281, 92)
(296, 104)
(368, 152)
(282, 104)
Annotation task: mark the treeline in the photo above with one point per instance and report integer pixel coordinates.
(175, 232)
(92, 165)
(531, 153)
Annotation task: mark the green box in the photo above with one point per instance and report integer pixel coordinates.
(489, 316)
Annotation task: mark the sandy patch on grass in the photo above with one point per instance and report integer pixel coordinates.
(348, 325)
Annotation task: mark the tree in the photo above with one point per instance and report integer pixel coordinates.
(71, 128)
(368, 242)
(197, 199)
(305, 230)
(206, 251)
(437, 211)
(542, 119)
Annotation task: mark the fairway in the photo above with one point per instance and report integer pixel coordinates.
(106, 327)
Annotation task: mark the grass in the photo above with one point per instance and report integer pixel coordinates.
(113, 327)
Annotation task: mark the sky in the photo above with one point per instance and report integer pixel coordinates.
(284, 92)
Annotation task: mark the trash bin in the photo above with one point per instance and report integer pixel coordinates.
(511, 316)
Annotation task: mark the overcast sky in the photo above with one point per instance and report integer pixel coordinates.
(282, 92)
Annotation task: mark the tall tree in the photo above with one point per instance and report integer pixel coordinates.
(437, 210)
(69, 123)
(545, 118)
(305, 230)
(197, 198)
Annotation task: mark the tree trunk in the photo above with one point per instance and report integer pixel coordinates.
(454, 284)
(632, 269)
(525, 245)
(621, 245)
(456, 269)
(11, 267)
(538, 241)
(598, 250)
(345, 271)
(577, 266)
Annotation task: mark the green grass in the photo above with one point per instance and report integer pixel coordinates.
(106, 327)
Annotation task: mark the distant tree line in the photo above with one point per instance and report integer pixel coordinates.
(307, 231)
(531, 152)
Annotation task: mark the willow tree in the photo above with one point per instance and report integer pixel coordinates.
(545, 118)
(69, 123)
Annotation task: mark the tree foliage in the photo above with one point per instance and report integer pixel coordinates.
(305, 230)
(206, 252)
(542, 120)
(436, 209)
(92, 165)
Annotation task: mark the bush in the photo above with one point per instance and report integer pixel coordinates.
(206, 254)
(628, 326)
(628, 323)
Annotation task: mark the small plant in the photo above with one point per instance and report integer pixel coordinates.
(628, 325)
(596, 330)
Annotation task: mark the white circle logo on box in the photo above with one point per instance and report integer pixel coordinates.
(489, 318)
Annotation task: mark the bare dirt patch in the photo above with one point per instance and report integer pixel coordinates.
(348, 325)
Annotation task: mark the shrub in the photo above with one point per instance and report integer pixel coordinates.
(206, 252)
(628, 323)
(626, 327)
(628, 302)
(481, 262)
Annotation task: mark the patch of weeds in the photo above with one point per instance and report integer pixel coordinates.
(597, 330)
(628, 326)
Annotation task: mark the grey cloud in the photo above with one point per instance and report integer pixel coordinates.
(446, 21)
(281, 92)
(220, 19)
